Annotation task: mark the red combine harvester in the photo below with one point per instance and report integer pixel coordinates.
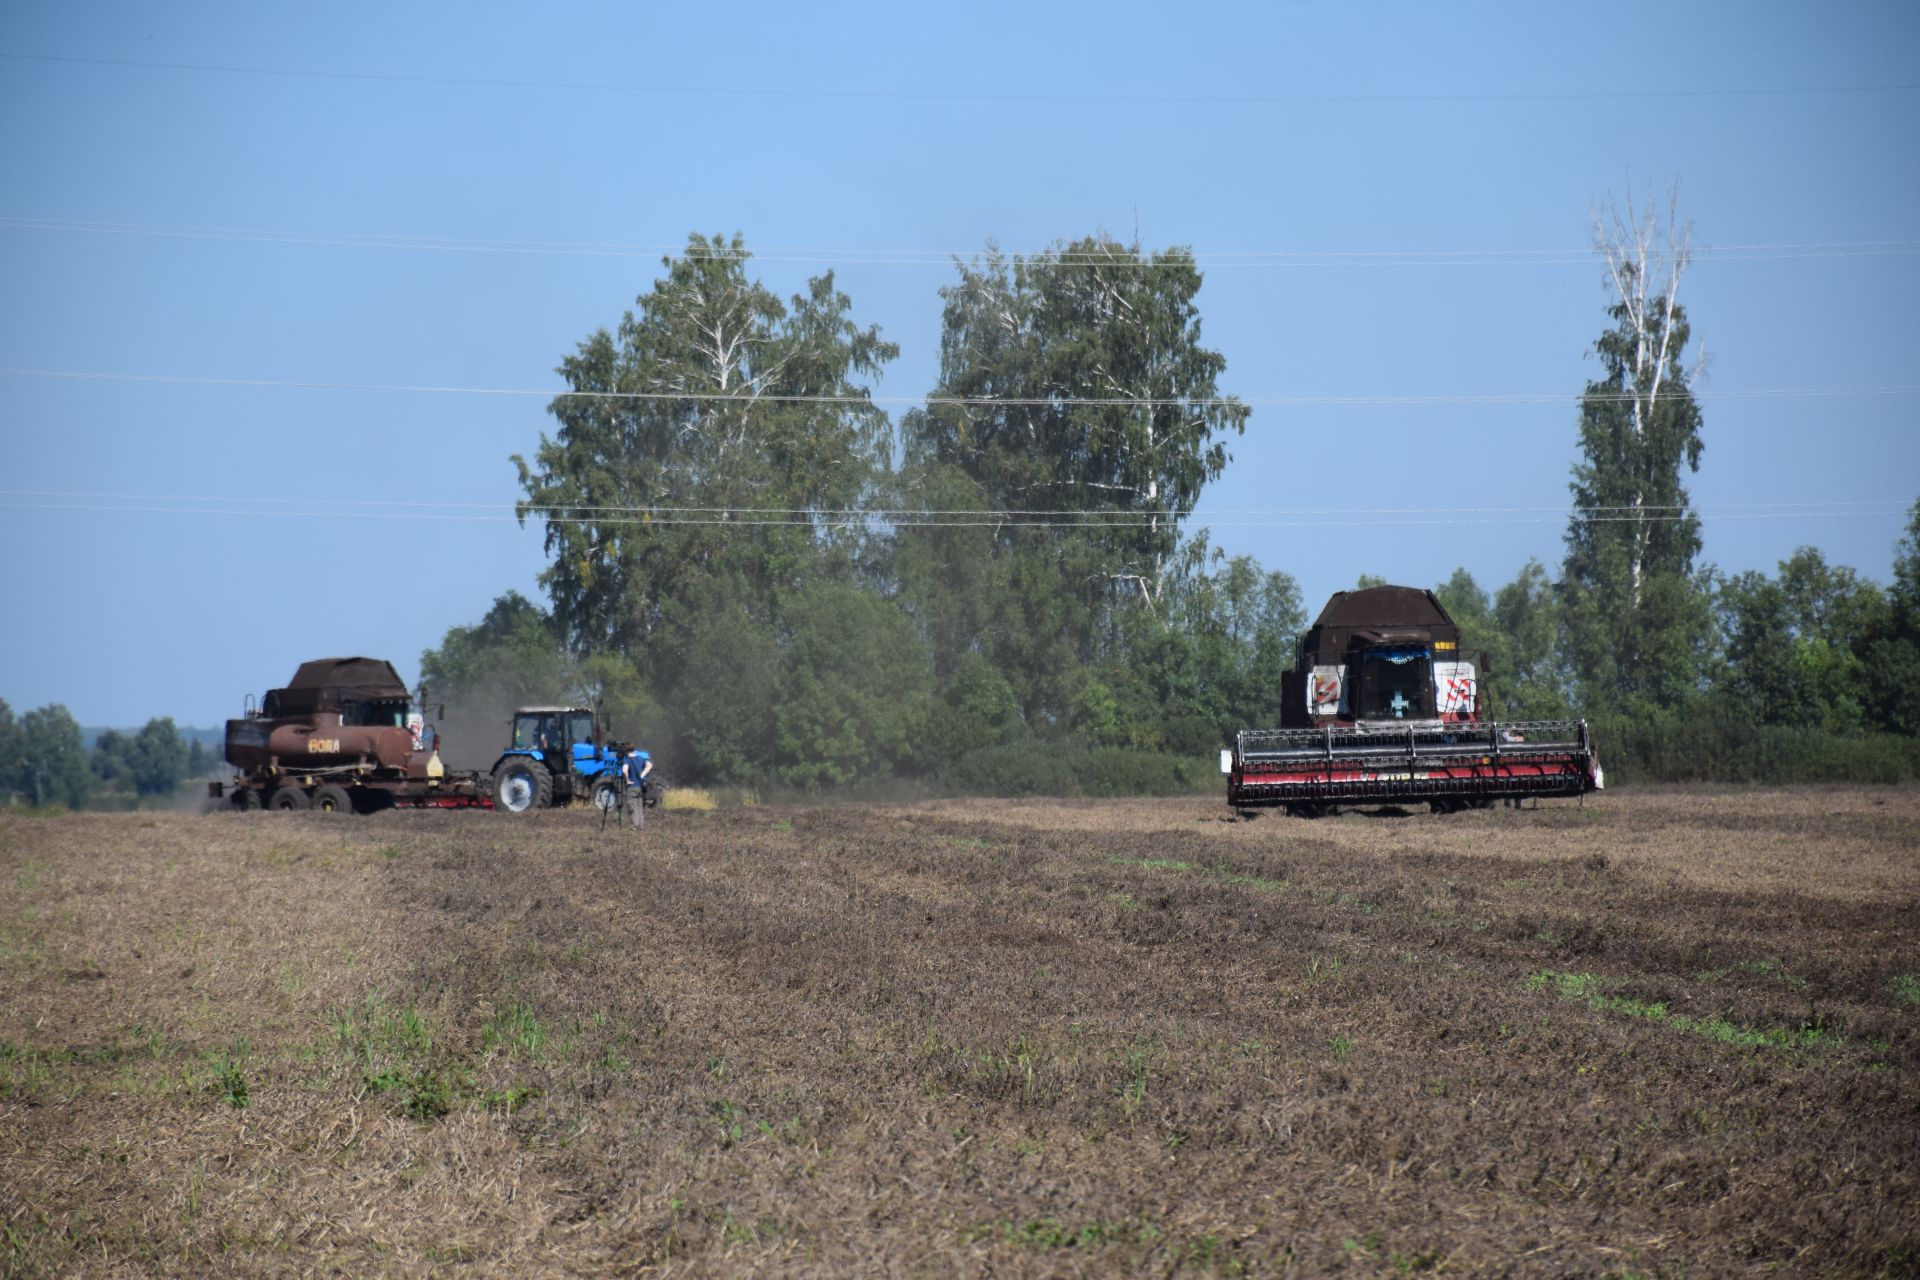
(1383, 708)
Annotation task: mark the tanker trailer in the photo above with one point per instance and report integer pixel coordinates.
(1383, 707)
(342, 737)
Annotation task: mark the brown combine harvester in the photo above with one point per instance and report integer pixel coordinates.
(341, 737)
(1383, 707)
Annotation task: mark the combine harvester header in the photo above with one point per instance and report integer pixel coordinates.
(1383, 707)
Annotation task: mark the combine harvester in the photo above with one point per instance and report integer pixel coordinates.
(1383, 708)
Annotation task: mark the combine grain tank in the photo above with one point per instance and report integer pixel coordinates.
(341, 737)
(1383, 707)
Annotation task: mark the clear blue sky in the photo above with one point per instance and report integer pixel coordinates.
(1267, 128)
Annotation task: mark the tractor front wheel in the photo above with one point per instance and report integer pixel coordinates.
(521, 786)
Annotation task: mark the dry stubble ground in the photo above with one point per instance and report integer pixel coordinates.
(1667, 1033)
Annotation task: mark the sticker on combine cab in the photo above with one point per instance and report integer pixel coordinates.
(1454, 687)
(1324, 691)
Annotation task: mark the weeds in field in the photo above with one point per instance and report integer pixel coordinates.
(1342, 1046)
(26, 1072)
(1586, 988)
(398, 1054)
(1907, 987)
(1323, 970)
(1224, 874)
(226, 1079)
(515, 1029)
(1134, 1092)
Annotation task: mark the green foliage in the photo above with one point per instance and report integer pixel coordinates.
(975, 709)
(47, 762)
(1094, 320)
(1585, 988)
(1637, 621)
(158, 757)
(637, 493)
(729, 688)
(1889, 646)
(1035, 768)
(511, 658)
(1704, 742)
(855, 692)
(1793, 644)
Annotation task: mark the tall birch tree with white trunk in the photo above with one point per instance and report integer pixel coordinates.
(692, 442)
(1636, 620)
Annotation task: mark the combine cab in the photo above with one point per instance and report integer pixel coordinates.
(1383, 707)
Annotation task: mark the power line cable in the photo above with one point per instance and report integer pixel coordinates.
(851, 520)
(888, 95)
(1782, 506)
(1214, 260)
(871, 401)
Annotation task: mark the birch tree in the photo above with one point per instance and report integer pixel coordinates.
(1107, 413)
(706, 453)
(1636, 620)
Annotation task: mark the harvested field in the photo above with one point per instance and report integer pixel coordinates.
(1666, 1033)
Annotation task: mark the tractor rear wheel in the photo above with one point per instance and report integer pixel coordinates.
(287, 799)
(521, 786)
(332, 799)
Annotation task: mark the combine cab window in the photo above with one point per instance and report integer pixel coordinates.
(1396, 684)
(378, 715)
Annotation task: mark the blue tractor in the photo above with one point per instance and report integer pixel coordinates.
(557, 755)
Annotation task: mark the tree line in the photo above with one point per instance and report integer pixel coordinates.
(762, 576)
(44, 761)
(758, 573)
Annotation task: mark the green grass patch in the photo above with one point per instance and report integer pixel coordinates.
(515, 1029)
(1907, 987)
(1585, 988)
(1224, 874)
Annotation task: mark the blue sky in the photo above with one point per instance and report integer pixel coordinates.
(338, 137)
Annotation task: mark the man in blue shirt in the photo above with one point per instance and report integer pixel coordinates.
(634, 768)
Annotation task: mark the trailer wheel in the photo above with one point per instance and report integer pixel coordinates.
(247, 799)
(287, 800)
(522, 785)
(332, 799)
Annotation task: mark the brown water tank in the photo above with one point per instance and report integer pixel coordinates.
(318, 741)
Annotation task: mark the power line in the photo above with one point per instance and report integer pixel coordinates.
(1780, 506)
(871, 401)
(885, 95)
(1215, 260)
(849, 520)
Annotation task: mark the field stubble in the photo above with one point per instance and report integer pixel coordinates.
(1669, 1032)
